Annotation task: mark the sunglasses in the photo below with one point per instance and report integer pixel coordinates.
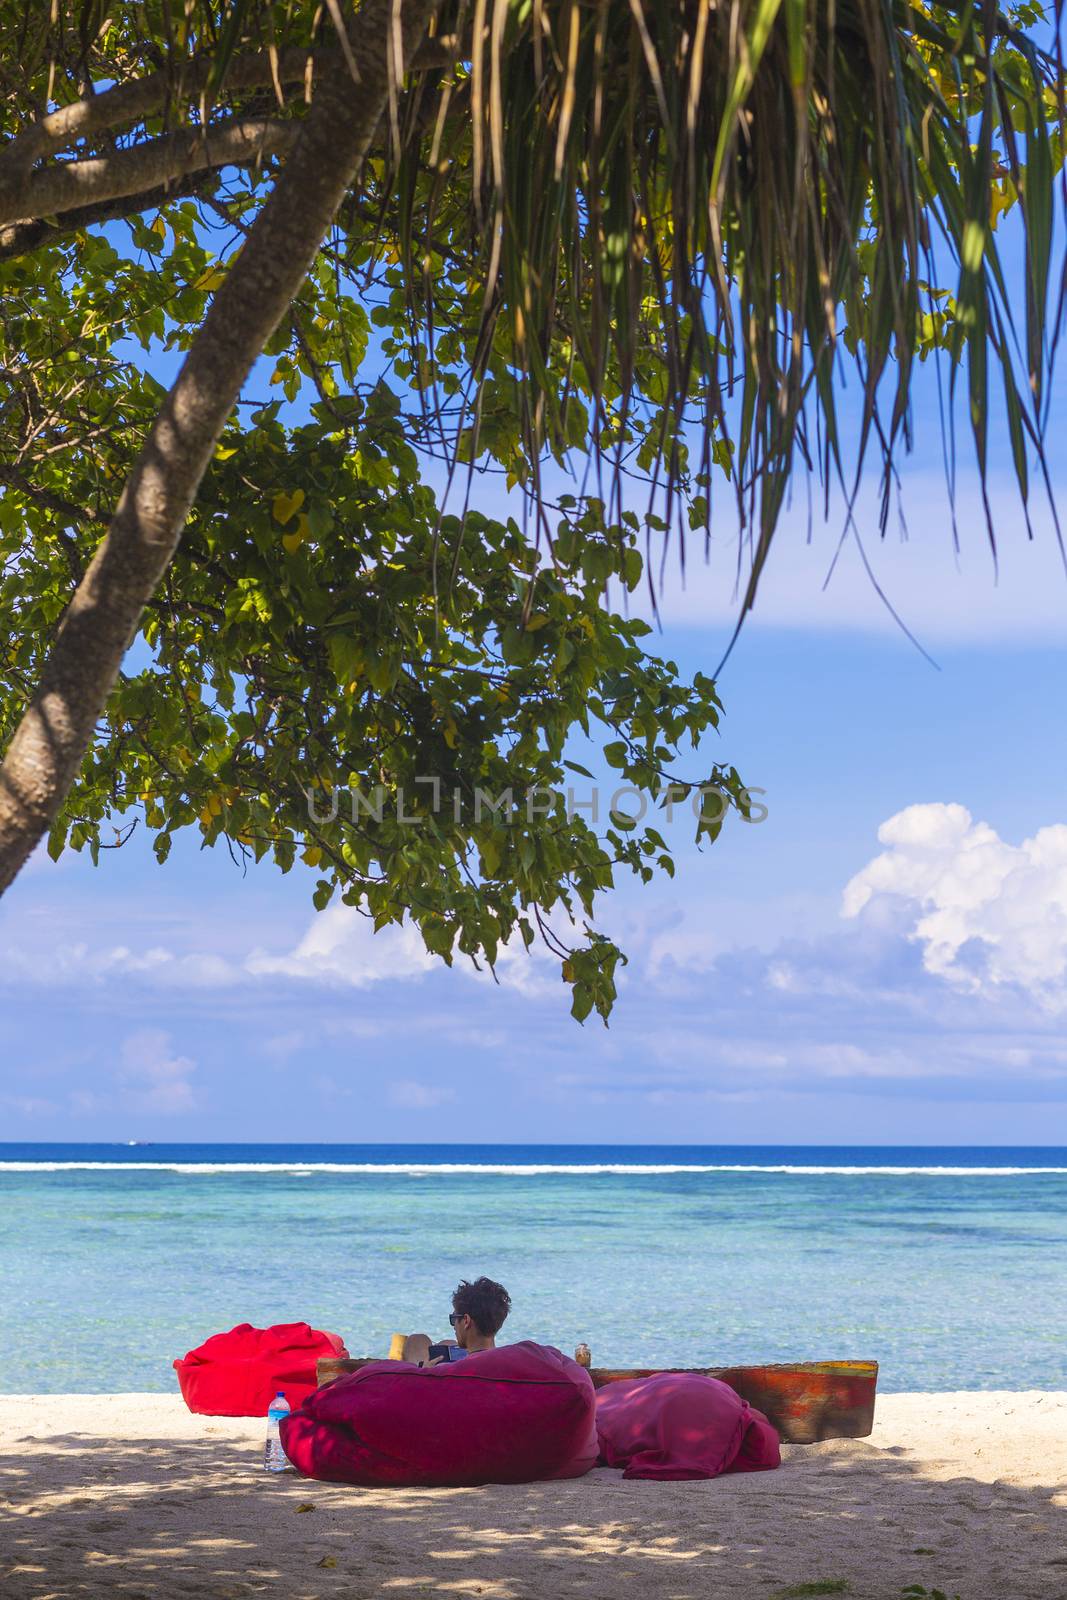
(456, 1316)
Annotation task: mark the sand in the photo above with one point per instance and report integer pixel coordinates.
(129, 1495)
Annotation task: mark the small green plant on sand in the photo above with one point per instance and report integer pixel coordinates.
(916, 1592)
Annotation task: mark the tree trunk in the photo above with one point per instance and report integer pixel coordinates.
(50, 742)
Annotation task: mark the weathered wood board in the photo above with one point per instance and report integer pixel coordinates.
(806, 1401)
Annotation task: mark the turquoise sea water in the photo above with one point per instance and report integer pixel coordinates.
(947, 1266)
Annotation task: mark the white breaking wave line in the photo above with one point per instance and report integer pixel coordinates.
(476, 1169)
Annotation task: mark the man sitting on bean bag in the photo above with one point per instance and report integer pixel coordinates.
(479, 1310)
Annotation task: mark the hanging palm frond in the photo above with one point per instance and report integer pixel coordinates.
(655, 232)
(699, 213)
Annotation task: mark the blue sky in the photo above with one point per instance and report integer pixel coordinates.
(187, 1002)
(804, 980)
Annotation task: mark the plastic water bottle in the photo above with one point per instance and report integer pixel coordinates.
(275, 1458)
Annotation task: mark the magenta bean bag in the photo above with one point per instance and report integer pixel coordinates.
(681, 1425)
(512, 1415)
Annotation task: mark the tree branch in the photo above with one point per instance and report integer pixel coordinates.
(18, 238)
(71, 185)
(50, 742)
(129, 103)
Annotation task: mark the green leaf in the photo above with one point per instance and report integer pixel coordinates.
(581, 1002)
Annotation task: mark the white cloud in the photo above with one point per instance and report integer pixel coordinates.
(280, 1046)
(83, 962)
(535, 973)
(155, 1080)
(362, 1026)
(338, 949)
(409, 1095)
(680, 945)
(473, 1038)
(27, 1105)
(986, 913)
(341, 946)
(330, 1090)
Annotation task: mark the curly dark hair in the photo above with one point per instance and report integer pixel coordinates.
(485, 1302)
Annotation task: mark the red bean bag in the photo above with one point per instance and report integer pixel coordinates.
(681, 1425)
(512, 1415)
(237, 1374)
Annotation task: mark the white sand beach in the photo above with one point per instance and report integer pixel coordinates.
(129, 1495)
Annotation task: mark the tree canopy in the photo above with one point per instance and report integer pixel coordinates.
(634, 242)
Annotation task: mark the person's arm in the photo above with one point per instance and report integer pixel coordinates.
(417, 1348)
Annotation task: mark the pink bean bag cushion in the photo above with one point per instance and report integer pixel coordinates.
(681, 1425)
(237, 1374)
(512, 1415)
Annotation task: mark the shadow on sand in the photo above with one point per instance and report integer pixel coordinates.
(82, 1517)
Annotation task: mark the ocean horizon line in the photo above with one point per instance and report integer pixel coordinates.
(512, 1144)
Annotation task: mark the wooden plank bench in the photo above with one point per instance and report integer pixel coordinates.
(805, 1400)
